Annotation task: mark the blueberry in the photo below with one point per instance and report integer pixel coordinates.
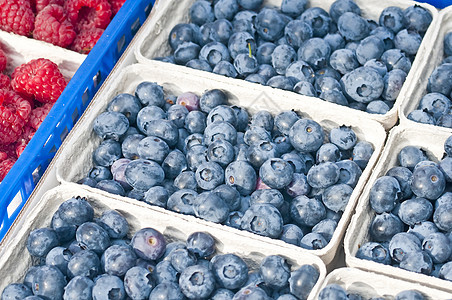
(214, 53)
(419, 262)
(296, 32)
(138, 283)
(423, 229)
(225, 9)
(107, 152)
(93, 236)
(379, 66)
(268, 196)
(293, 8)
(343, 60)
(385, 34)
(307, 211)
(222, 113)
(384, 194)
(148, 243)
(340, 7)
(269, 24)
(267, 71)
(127, 104)
(150, 93)
(245, 64)
(185, 52)
(16, 291)
(396, 59)
(402, 244)
(318, 19)
(363, 84)
(316, 52)
(384, 226)
(438, 246)
(230, 270)
(111, 124)
(183, 33)
(281, 82)
(263, 219)
(117, 259)
(300, 71)
(428, 182)
(276, 173)
(49, 283)
(251, 292)
(79, 287)
(409, 294)
(156, 195)
(446, 271)
(201, 12)
(107, 287)
(415, 210)
(40, 241)
(323, 175)
(393, 82)
(435, 104)
(343, 137)
(195, 122)
(409, 156)
(421, 117)
(199, 64)
(326, 228)
(174, 163)
(222, 294)
(292, 234)
(306, 135)
(352, 26)
(167, 290)
(374, 252)
(305, 88)
(201, 244)
(65, 231)
(393, 18)
(408, 41)
(84, 263)
(282, 56)
(369, 48)
(313, 241)
(220, 130)
(349, 172)
(441, 217)
(143, 174)
(302, 280)
(336, 197)
(242, 176)
(225, 68)
(332, 290)
(209, 206)
(241, 42)
(244, 19)
(418, 18)
(264, 53)
(298, 186)
(197, 282)
(58, 257)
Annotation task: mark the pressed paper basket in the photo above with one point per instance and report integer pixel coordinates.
(15, 259)
(432, 142)
(90, 73)
(74, 160)
(153, 42)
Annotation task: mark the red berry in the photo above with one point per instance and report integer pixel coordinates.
(5, 82)
(17, 16)
(14, 113)
(86, 14)
(20, 146)
(5, 166)
(39, 5)
(86, 40)
(38, 115)
(8, 150)
(40, 78)
(116, 5)
(53, 27)
(3, 61)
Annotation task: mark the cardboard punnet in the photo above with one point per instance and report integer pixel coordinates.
(74, 161)
(153, 42)
(431, 59)
(15, 259)
(373, 285)
(432, 142)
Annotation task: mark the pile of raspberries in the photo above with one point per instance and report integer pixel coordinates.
(26, 97)
(71, 24)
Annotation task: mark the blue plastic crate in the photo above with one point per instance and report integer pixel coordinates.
(438, 3)
(20, 181)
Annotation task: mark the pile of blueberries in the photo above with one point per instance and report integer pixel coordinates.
(281, 176)
(83, 257)
(412, 228)
(338, 56)
(434, 107)
(337, 292)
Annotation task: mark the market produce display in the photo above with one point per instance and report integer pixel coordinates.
(280, 176)
(412, 226)
(365, 61)
(434, 106)
(71, 24)
(86, 257)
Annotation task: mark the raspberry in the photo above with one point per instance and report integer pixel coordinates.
(53, 27)
(86, 14)
(5, 82)
(14, 113)
(5, 166)
(17, 16)
(3, 61)
(38, 115)
(39, 5)
(116, 5)
(20, 146)
(40, 78)
(7, 151)
(86, 40)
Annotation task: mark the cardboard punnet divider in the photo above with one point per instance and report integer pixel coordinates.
(74, 161)
(432, 142)
(153, 42)
(373, 285)
(432, 58)
(15, 259)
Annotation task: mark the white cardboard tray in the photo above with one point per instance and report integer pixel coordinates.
(432, 58)
(15, 259)
(368, 285)
(20, 49)
(357, 233)
(153, 42)
(74, 160)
